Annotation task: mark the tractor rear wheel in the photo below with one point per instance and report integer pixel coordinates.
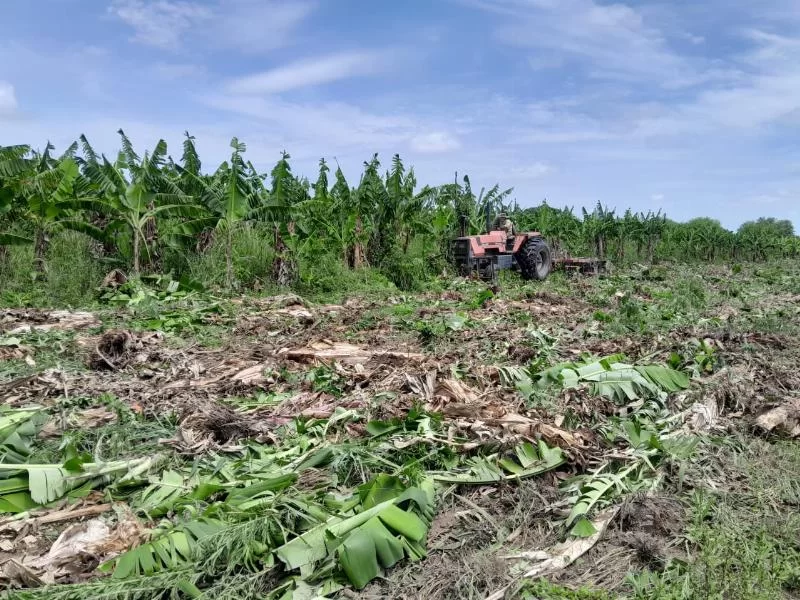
(534, 260)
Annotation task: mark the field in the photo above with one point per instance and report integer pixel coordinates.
(631, 435)
(229, 384)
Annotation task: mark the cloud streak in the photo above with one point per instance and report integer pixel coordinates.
(159, 23)
(307, 72)
(250, 26)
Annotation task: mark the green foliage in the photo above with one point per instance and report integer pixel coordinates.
(251, 258)
(541, 589)
(615, 380)
(41, 484)
(528, 461)
(172, 548)
(392, 523)
(240, 228)
(72, 272)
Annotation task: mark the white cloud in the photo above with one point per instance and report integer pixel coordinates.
(694, 39)
(249, 25)
(320, 127)
(434, 142)
(533, 171)
(254, 26)
(306, 73)
(768, 94)
(8, 99)
(780, 196)
(657, 197)
(159, 23)
(613, 38)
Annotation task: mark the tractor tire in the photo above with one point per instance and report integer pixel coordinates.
(534, 260)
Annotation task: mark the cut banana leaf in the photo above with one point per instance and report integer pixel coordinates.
(369, 548)
(168, 551)
(375, 538)
(48, 482)
(531, 461)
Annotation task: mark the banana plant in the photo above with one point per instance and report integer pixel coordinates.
(598, 226)
(225, 198)
(133, 192)
(279, 207)
(14, 162)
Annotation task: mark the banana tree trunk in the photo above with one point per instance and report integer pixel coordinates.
(229, 258)
(136, 236)
(283, 269)
(358, 250)
(40, 250)
(151, 238)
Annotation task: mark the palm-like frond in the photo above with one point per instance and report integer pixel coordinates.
(89, 155)
(13, 162)
(128, 152)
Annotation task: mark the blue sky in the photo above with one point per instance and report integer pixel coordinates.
(693, 107)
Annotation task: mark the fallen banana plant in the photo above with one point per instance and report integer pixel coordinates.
(649, 444)
(530, 461)
(617, 381)
(388, 527)
(26, 486)
(172, 547)
(591, 491)
(17, 428)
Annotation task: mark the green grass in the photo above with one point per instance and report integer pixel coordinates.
(73, 273)
(49, 350)
(743, 541)
(544, 590)
(129, 436)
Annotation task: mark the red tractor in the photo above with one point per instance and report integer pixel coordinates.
(487, 254)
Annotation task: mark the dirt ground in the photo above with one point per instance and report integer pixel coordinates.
(209, 381)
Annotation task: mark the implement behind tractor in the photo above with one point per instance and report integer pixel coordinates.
(487, 254)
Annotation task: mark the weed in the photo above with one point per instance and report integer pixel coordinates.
(542, 589)
(325, 379)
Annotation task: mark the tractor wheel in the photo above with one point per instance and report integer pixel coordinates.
(534, 260)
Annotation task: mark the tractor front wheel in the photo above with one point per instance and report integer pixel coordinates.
(534, 260)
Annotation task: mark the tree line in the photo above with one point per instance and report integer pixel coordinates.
(145, 212)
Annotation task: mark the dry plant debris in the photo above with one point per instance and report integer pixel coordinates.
(315, 447)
